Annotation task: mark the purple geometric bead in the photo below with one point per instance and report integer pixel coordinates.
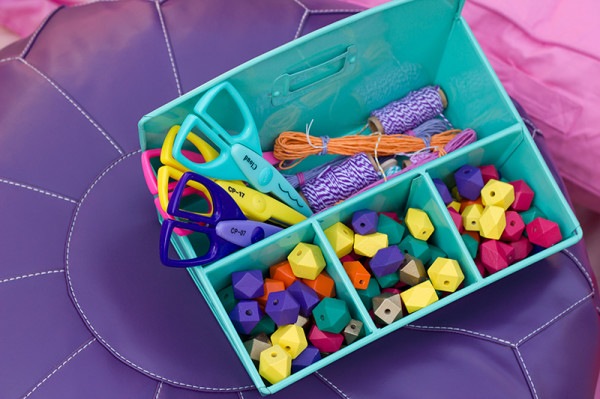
(443, 190)
(247, 284)
(282, 308)
(307, 357)
(469, 182)
(386, 261)
(245, 316)
(365, 222)
(306, 297)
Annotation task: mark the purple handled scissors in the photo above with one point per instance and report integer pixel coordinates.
(224, 225)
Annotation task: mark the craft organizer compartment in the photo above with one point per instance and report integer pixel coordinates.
(336, 76)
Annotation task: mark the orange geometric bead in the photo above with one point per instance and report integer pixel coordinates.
(473, 234)
(270, 285)
(323, 285)
(358, 274)
(283, 272)
(466, 203)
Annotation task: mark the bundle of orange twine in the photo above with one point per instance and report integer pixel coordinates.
(297, 145)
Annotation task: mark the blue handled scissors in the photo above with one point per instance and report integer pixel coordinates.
(240, 157)
(224, 225)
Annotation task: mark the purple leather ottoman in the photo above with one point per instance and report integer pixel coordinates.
(88, 311)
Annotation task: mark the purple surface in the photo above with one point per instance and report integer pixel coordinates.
(86, 309)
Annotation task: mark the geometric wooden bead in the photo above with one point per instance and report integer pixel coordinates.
(523, 196)
(256, 345)
(418, 224)
(454, 205)
(514, 227)
(367, 295)
(306, 260)
(359, 276)
(306, 297)
(282, 271)
(466, 203)
(386, 261)
(387, 308)
(445, 274)
(353, 330)
(492, 222)
(455, 194)
(391, 228)
(498, 193)
(341, 238)
(266, 325)
(417, 248)
(442, 189)
(471, 216)
(469, 182)
(522, 248)
(387, 281)
(368, 245)
(419, 296)
(308, 356)
(323, 285)
(325, 341)
(282, 308)
(331, 315)
(303, 322)
(495, 255)
(489, 172)
(275, 364)
(457, 219)
(247, 284)
(530, 214)
(291, 338)
(471, 244)
(480, 266)
(245, 316)
(364, 222)
(412, 271)
(435, 253)
(227, 298)
(543, 232)
(270, 286)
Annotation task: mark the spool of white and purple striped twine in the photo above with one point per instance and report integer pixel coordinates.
(408, 112)
(339, 182)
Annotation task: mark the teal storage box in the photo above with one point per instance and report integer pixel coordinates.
(336, 76)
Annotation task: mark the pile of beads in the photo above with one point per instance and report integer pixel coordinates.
(495, 218)
(394, 271)
(292, 318)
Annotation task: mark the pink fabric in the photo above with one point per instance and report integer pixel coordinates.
(23, 16)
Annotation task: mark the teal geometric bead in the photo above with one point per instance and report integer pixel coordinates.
(394, 230)
(471, 244)
(331, 315)
(387, 281)
(435, 252)
(530, 214)
(266, 325)
(367, 295)
(227, 298)
(417, 248)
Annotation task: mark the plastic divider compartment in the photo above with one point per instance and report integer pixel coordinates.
(412, 191)
(516, 157)
(265, 254)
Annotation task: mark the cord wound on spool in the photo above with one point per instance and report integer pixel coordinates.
(339, 182)
(409, 112)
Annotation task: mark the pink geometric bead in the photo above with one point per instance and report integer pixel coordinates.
(522, 248)
(347, 258)
(543, 232)
(489, 172)
(457, 219)
(495, 255)
(391, 290)
(391, 215)
(480, 266)
(514, 226)
(523, 196)
(325, 341)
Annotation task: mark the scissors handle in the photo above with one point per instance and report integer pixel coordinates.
(218, 247)
(265, 178)
(245, 232)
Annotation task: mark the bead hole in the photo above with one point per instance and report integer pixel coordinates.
(474, 222)
(387, 311)
(249, 312)
(273, 354)
(322, 317)
(492, 193)
(276, 302)
(361, 282)
(299, 253)
(446, 282)
(512, 223)
(353, 326)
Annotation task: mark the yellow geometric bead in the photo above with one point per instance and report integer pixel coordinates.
(445, 274)
(306, 261)
(275, 364)
(369, 245)
(454, 205)
(471, 216)
(492, 222)
(498, 193)
(418, 224)
(341, 238)
(419, 296)
(455, 194)
(291, 338)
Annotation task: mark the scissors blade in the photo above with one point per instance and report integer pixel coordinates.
(266, 179)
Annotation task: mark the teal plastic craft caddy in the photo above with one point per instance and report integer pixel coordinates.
(336, 76)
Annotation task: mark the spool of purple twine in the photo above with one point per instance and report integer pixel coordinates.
(339, 182)
(408, 112)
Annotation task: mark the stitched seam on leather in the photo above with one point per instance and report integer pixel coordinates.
(94, 2)
(9, 59)
(60, 366)
(31, 275)
(580, 266)
(36, 33)
(558, 316)
(168, 43)
(331, 11)
(241, 395)
(462, 330)
(158, 388)
(301, 24)
(85, 114)
(301, 5)
(87, 321)
(332, 385)
(38, 190)
(531, 385)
